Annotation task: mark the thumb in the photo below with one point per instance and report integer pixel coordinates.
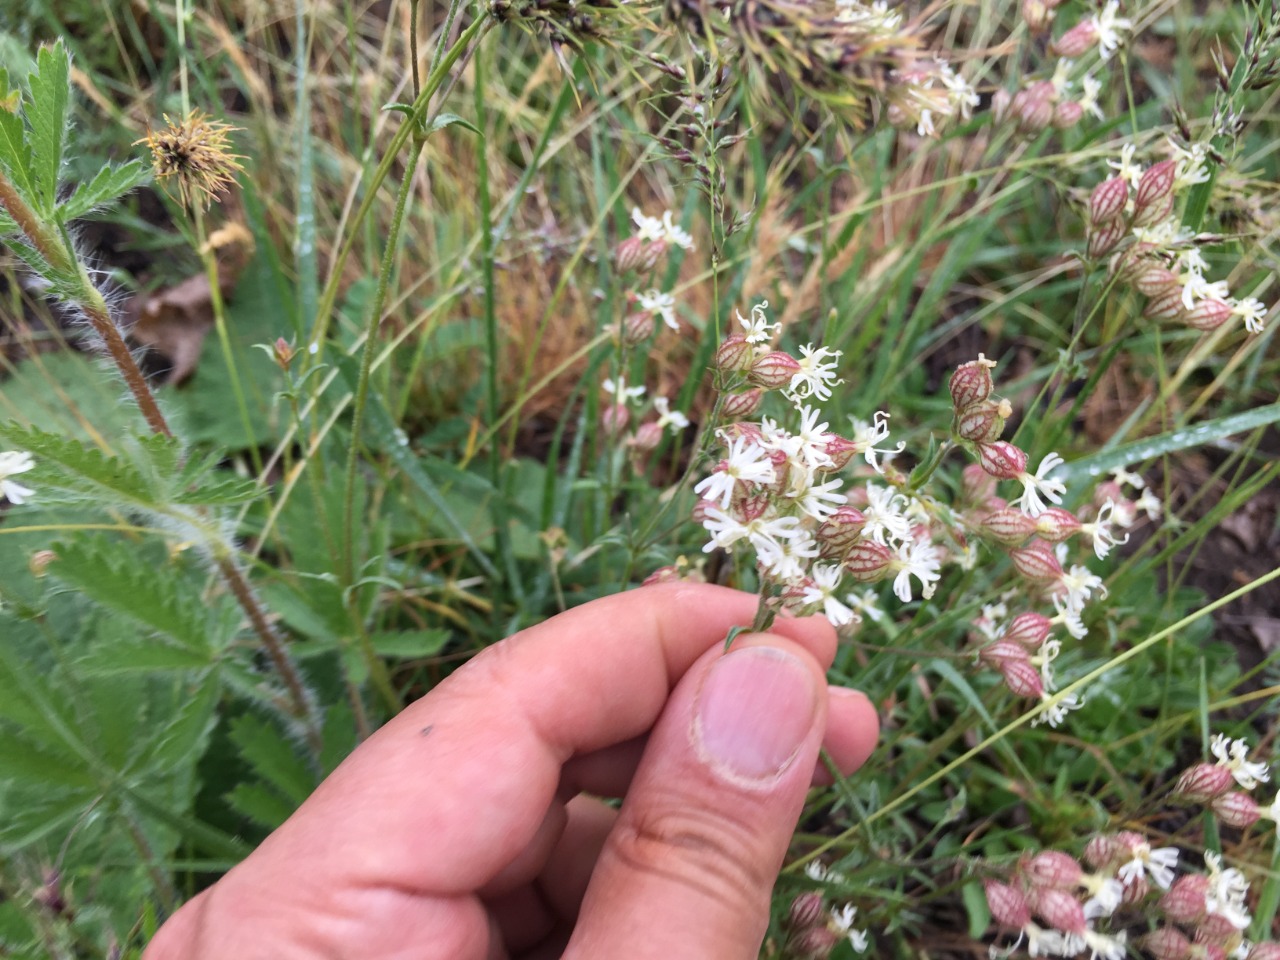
(688, 869)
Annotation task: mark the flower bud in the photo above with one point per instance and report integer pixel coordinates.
(1208, 314)
(1029, 629)
(636, 328)
(1032, 107)
(1000, 652)
(1067, 114)
(1057, 525)
(1022, 679)
(841, 530)
(971, 383)
(1077, 41)
(1001, 103)
(1166, 305)
(1236, 809)
(1204, 781)
(1002, 459)
(734, 354)
(773, 370)
(647, 436)
(1103, 237)
(1266, 950)
(807, 910)
(1037, 16)
(1184, 902)
(1134, 891)
(700, 513)
(1053, 869)
(983, 421)
(1009, 527)
(1154, 187)
(1155, 213)
(814, 943)
(745, 404)
(283, 353)
(1216, 929)
(1007, 904)
(1037, 562)
(841, 450)
(868, 561)
(1167, 943)
(1100, 851)
(1108, 199)
(614, 419)
(976, 484)
(1152, 278)
(1059, 909)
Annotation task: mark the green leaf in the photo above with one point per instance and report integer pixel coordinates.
(110, 184)
(15, 154)
(266, 750)
(50, 86)
(184, 737)
(410, 644)
(1149, 448)
(21, 760)
(448, 120)
(259, 804)
(160, 600)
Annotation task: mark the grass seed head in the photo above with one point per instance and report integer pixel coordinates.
(195, 153)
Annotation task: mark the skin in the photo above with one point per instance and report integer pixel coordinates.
(469, 825)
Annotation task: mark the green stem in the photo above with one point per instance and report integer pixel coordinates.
(411, 127)
(361, 398)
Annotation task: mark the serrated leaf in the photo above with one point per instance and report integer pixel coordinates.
(50, 87)
(7, 225)
(78, 467)
(21, 760)
(260, 805)
(267, 751)
(409, 643)
(110, 184)
(183, 739)
(160, 600)
(15, 155)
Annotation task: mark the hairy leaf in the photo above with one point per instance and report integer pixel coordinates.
(265, 749)
(109, 184)
(50, 87)
(15, 154)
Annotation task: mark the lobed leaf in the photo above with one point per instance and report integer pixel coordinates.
(110, 184)
(15, 154)
(50, 87)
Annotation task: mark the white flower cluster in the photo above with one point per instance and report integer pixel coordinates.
(661, 229)
(777, 490)
(929, 93)
(840, 921)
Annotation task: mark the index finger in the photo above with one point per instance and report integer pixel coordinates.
(444, 795)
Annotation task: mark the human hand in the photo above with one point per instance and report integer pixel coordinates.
(467, 826)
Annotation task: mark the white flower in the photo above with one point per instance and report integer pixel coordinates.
(664, 230)
(885, 520)
(1125, 168)
(1122, 476)
(758, 329)
(1150, 504)
(815, 871)
(842, 924)
(865, 603)
(1227, 892)
(668, 417)
(1056, 712)
(660, 305)
(1110, 29)
(867, 435)
(1188, 166)
(763, 533)
(919, 559)
(1234, 755)
(1196, 287)
(1104, 946)
(819, 500)
(1069, 610)
(815, 377)
(1252, 311)
(1080, 582)
(1107, 894)
(620, 390)
(963, 98)
(14, 462)
(1158, 864)
(1100, 531)
(1039, 483)
(784, 555)
(825, 581)
(1273, 813)
(1090, 89)
(744, 462)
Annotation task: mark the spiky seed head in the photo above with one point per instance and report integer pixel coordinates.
(195, 154)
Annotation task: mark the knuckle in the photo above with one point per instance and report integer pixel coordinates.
(710, 852)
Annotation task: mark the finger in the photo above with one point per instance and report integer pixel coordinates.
(480, 758)
(852, 729)
(712, 808)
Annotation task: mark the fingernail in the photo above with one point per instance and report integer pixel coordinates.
(753, 712)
